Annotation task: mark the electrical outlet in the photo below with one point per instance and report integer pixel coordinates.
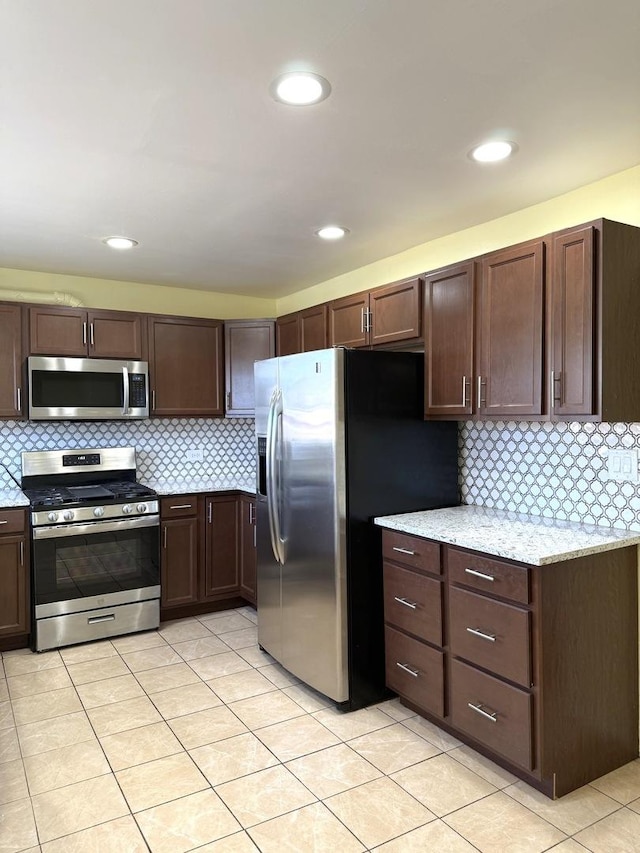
(195, 454)
(622, 465)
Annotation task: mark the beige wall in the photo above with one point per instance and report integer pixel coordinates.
(129, 296)
(616, 197)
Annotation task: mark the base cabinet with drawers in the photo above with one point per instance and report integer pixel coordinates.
(536, 667)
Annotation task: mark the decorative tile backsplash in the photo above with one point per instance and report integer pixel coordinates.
(228, 444)
(553, 470)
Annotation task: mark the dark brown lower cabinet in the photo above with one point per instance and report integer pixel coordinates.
(248, 556)
(221, 576)
(536, 667)
(207, 553)
(14, 579)
(179, 551)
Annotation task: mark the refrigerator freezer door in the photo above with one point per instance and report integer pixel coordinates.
(268, 568)
(312, 527)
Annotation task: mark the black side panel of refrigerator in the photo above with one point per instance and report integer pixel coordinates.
(396, 462)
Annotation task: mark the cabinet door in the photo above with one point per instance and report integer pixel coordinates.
(179, 562)
(288, 334)
(116, 334)
(248, 548)
(185, 362)
(348, 319)
(313, 328)
(245, 342)
(572, 319)
(14, 611)
(395, 312)
(221, 566)
(510, 308)
(58, 331)
(11, 395)
(449, 342)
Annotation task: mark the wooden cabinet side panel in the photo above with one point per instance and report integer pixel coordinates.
(449, 341)
(14, 611)
(288, 334)
(248, 555)
(57, 331)
(589, 666)
(245, 343)
(313, 328)
(11, 361)
(396, 312)
(221, 564)
(572, 333)
(117, 334)
(511, 330)
(186, 365)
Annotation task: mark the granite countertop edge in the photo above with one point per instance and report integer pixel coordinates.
(165, 486)
(535, 540)
(11, 498)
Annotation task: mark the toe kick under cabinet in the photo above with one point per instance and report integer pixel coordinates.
(536, 667)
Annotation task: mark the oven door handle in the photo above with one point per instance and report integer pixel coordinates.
(61, 531)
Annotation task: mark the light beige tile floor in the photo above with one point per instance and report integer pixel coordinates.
(192, 739)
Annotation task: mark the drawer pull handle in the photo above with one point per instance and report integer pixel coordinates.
(478, 633)
(4, 522)
(406, 603)
(480, 710)
(181, 506)
(413, 672)
(108, 617)
(478, 574)
(404, 551)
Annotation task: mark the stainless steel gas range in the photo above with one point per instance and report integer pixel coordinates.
(95, 545)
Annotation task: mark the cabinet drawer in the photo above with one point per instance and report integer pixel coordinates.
(178, 505)
(491, 634)
(505, 722)
(413, 603)
(411, 551)
(11, 521)
(487, 575)
(415, 671)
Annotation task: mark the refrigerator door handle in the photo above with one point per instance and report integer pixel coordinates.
(277, 485)
(275, 409)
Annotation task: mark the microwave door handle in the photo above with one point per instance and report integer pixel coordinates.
(125, 386)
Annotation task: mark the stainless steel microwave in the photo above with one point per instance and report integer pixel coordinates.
(87, 389)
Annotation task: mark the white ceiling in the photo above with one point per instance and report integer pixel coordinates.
(152, 118)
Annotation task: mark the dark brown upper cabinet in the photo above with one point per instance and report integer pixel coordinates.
(389, 315)
(449, 342)
(186, 367)
(245, 342)
(77, 332)
(302, 331)
(510, 332)
(594, 323)
(11, 376)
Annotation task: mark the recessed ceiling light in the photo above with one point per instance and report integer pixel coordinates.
(120, 242)
(332, 232)
(491, 152)
(300, 88)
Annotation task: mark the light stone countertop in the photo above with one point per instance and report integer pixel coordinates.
(199, 485)
(12, 498)
(526, 538)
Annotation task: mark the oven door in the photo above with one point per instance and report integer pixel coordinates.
(80, 567)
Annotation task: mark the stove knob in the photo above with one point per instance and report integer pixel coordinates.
(126, 509)
(68, 515)
(53, 516)
(98, 511)
(141, 507)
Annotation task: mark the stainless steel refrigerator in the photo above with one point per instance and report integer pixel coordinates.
(340, 439)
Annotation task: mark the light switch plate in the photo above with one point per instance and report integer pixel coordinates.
(622, 465)
(195, 454)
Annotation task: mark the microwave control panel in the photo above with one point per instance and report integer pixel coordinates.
(137, 390)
